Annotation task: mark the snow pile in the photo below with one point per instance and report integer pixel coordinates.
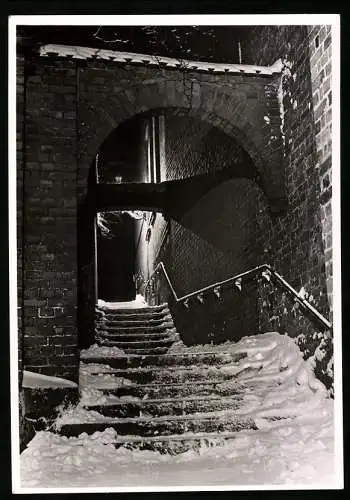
(98, 351)
(286, 455)
(292, 446)
(283, 384)
(78, 414)
(33, 380)
(139, 302)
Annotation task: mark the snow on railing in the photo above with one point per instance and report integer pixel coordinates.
(267, 272)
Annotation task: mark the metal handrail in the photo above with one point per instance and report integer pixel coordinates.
(237, 277)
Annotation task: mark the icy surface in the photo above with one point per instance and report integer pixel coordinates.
(33, 380)
(292, 446)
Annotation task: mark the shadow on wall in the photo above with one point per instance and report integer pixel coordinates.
(223, 234)
(219, 236)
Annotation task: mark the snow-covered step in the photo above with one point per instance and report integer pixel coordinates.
(168, 359)
(136, 322)
(142, 351)
(170, 406)
(165, 425)
(136, 344)
(176, 443)
(138, 314)
(145, 308)
(170, 390)
(130, 337)
(111, 327)
(156, 315)
(144, 375)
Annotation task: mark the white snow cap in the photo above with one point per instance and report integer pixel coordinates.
(33, 380)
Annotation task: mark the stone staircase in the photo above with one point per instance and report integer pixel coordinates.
(173, 401)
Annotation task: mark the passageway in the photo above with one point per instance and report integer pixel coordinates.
(167, 186)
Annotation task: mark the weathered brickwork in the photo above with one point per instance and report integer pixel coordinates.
(49, 204)
(19, 196)
(19, 159)
(320, 43)
(110, 94)
(298, 242)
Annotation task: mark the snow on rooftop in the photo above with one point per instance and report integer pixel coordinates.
(292, 446)
(77, 52)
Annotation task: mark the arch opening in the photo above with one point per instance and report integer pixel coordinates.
(213, 197)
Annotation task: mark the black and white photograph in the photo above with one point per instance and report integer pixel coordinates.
(175, 279)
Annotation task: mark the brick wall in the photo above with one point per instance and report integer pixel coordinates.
(19, 143)
(300, 242)
(50, 218)
(19, 195)
(320, 44)
(296, 239)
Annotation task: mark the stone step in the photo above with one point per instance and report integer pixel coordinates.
(145, 317)
(129, 337)
(136, 344)
(134, 322)
(172, 374)
(144, 313)
(167, 425)
(180, 359)
(161, 407)
(173, 390)
(175, 443)
(159, 307)
(153, 350)
(109, 327)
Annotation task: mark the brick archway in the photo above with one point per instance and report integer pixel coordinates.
(240, 112)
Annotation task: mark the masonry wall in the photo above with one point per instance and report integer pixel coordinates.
(19, 178)
(320, 46)
(300, 242)
(50, 220)
(20, 103)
